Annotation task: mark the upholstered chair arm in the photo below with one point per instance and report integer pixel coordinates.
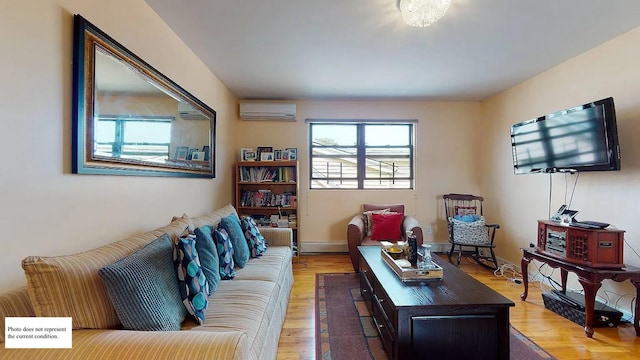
(355, 234)
(411, 224)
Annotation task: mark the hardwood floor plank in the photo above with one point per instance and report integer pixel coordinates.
(557, 335)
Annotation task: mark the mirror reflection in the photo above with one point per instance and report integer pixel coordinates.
(137, 121)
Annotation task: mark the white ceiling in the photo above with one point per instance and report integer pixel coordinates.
(361, 49)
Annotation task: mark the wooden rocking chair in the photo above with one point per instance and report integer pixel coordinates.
(467, 228)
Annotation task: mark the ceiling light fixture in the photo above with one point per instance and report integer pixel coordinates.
(422, 13)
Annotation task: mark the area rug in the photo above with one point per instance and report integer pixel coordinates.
(345, 329)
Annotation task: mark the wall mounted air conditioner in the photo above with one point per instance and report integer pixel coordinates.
(267, 111)
(188, 112)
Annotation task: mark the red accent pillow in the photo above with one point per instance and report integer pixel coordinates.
(386, 226)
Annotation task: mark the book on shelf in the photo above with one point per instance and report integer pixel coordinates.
(267, 174)
(266, 198)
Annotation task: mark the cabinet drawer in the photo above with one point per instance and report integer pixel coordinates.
(366, 290)
(383, 325)
(387, 307)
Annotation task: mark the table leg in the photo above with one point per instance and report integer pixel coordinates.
(524, 267)
(563, 278)
(636, 316)
(590, 290)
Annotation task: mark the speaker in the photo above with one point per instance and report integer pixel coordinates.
(571, 306)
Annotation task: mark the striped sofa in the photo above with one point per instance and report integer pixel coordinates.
(243, 321)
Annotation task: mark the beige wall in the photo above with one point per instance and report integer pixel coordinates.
(446, 135)
(518, 201)
(45, 210)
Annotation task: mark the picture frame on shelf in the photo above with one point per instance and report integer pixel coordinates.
(197, 156)
(181, 153)
(266, 156)
(243, 154)
(293, 154)
(285, 155)
(262, 149)
(277, 155)
(191, 151)
(207, 152)
(250, 155)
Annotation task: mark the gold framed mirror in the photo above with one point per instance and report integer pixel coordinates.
(129, 119)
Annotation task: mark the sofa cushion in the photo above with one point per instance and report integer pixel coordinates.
(143, 288)
(255, 240)
(241, 252)
(225, 254)
(387, 226)
(208, 255)
(69, 285)
(192, 282)
(248, 306)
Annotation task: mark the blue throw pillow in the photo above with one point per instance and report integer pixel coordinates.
(225, 254)
(241, 252)
(255, 240)
(191, 280)
(208, 256)
(143, 289)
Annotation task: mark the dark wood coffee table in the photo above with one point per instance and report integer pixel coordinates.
(457, 317)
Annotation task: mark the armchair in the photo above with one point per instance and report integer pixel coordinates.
(357, 230)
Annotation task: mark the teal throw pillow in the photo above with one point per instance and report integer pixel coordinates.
(194, 288)
(208, 254)
(225, 254)
(241, 252)
(143, 289)
(255, 240)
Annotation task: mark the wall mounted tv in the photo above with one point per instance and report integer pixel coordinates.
(581, 138)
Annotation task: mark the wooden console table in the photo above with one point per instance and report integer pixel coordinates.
(589, 278)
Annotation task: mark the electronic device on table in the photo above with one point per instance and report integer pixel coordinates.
(564, 215)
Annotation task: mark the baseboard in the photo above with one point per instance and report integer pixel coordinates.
(324, 247)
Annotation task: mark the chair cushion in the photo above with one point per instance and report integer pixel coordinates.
(472, 233)
(241, 252)
(208, 254)
(192, 282)
(143, 288)
(387, 226)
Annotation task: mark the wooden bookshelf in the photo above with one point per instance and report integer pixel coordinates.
(268, 188)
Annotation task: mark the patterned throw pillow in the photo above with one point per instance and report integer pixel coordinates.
(465, 210)
(255, 240)
(208, 254)
(472, 233)
(193, 284)
(225, 254)
(368, 223)
(143, 289)
(241, 252)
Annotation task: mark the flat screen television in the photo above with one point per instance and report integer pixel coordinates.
(581, 138)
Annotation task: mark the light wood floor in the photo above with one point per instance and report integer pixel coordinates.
(557, 335)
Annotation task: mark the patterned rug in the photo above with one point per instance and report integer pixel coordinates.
(345, 329)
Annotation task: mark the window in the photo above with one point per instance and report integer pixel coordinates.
(133, 137)
(367, 155)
